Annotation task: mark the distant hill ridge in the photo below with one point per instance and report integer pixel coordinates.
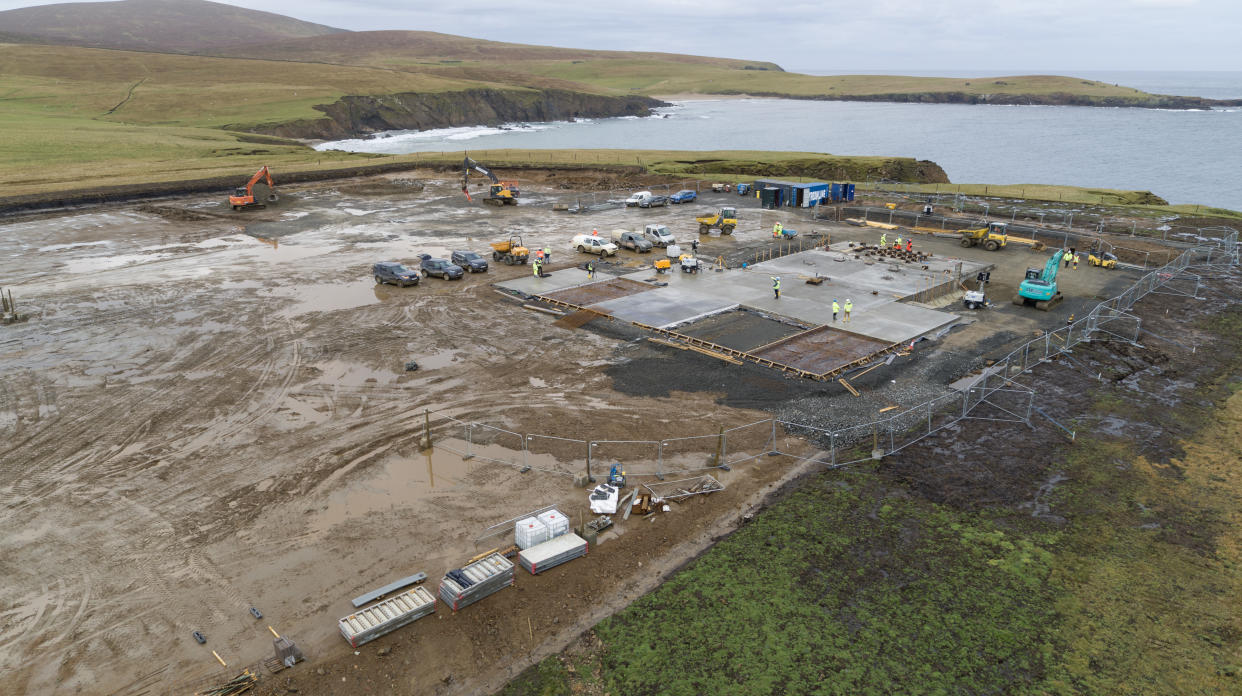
(171, 26)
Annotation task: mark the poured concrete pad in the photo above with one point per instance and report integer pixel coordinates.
(557, 280)
(663, 309)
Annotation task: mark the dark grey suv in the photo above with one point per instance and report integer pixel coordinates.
(475, 263)
(441, 268)
(395, 273)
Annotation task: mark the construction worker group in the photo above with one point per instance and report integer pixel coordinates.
(897, 245)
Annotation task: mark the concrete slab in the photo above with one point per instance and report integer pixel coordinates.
(663, 309)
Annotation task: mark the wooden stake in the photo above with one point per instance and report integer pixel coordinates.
(848, 386)
(273, 631)
(221, 659)
(426, 429)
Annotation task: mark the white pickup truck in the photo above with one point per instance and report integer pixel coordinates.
(593, 244)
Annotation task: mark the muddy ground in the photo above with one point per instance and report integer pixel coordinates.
(208, 411)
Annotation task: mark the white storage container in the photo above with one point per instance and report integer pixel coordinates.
(530, 532)
(556, 522)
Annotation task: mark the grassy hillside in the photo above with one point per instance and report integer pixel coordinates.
(661, 74)
(157, 25)
(419, 49)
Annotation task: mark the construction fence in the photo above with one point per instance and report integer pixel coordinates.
(1055, 214)
(1054, 238)
(994, 395)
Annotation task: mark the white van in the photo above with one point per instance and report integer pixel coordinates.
(637, 199)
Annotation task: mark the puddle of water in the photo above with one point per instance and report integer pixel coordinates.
(349, 374)
(75, 245)
(94, 264)
(398, 481)
(437, 360)
(326, 297)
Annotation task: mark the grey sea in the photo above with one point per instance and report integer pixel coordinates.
(1190, 156)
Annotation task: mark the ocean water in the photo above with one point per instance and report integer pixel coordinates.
(1182, 156)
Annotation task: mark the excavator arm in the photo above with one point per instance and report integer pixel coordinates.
(259, 176)
(1053, 265)
(469, 164)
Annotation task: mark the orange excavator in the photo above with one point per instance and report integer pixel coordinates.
(243, 197)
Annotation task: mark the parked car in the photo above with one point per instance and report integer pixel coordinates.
(653, 201)
(594, 244)
(633, 241)
(475, 263)
(659, 235)
(637, 198)
(441, 268)
(683, 196)
(395, 273)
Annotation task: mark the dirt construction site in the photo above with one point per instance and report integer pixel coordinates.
(209, 411)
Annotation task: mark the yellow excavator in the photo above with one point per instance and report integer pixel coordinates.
(243, 197)
(993, 237)
(501, 192)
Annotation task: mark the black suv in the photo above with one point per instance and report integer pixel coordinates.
(470, 261)
(395, 273)
(441, 268)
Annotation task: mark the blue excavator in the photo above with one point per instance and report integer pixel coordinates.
(1039, 289)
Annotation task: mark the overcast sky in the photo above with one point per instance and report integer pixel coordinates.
(995, 36)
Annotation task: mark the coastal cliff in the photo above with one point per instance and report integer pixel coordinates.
(361, 115)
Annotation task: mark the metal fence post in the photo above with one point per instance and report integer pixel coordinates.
(660, 461)
(590, 478)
